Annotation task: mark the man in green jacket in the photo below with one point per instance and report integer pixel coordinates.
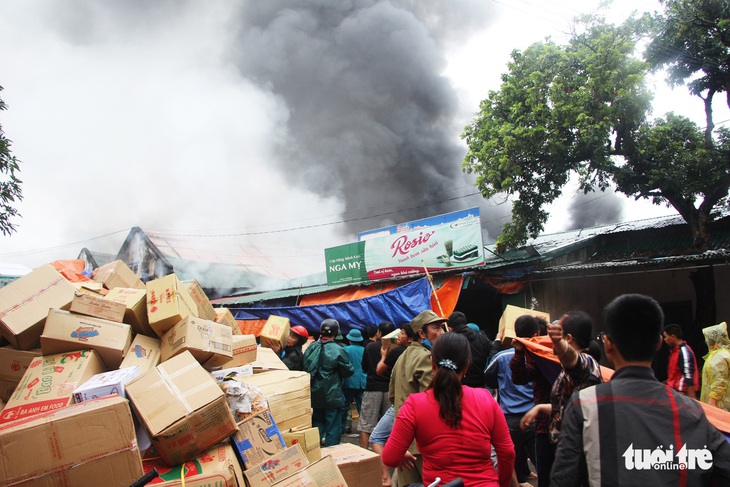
(328, 364)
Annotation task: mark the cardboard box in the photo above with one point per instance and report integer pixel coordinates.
(322, 473)
(205, 309)
(78, 445)
(106, 384)
(144, 352)
(245, 351)
(241, 370)
(511, 313)
(66, 332)
(209, 342)
(98, 307)
(14, 362)
(266, 359)
(217, 467)
(6, 390)
(308, 439)
(168, 303)
(288, 395)
(182, 408)
(276, 468)
(117, 274)
(276, 329)
(224, 315)
(391, 339)
(24, 304)
(92, 288)
(257, 438)
(360, 467)
(49, 382)
(135, 314)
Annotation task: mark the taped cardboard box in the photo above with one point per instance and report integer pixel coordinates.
(205, 309)
(245, 351)
(49, 382)
(276, 468)
(360, 467)
(267, 359)
(511, 313)
(78, 445)
(168, 303)
(217, 467)
(182, 408)
(209, 342)
(144, 352)
(66, 332)
(322, 473)
(276, 329)
(308, 439)
(117, 274)
(224, 315)
(257, 438)
(288, 395)
(135, 314)
(24, 304)
(98, 307)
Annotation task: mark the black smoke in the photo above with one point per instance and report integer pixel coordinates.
(594, 209)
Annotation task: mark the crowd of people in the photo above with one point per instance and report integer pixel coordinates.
(442, 400)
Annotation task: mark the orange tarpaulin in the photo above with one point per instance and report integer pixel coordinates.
(71, 269)
(448, 295)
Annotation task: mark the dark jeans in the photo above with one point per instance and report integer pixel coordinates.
(545, 453)
(524, 441)
(350, 396)
(329, 423)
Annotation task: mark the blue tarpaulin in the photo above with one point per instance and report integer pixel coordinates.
(398, 306)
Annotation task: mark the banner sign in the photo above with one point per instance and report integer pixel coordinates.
(451, 244)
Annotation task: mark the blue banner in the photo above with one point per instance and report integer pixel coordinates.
(398, 306)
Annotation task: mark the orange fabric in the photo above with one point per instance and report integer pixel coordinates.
(506, 287)
(448, 295)
(71, 269)
(719, 418)
(349, 293)
(251, 327)
(542, 346)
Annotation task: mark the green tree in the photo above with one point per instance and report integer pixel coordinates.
(10, 190)
(582, 108)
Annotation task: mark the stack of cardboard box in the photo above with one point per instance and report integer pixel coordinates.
(97, 371)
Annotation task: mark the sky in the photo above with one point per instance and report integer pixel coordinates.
(280, 127)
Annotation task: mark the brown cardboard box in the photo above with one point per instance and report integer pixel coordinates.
(24, 304)
(308, 439)
(276, 329)
(182, 408)
(224, 315)
(117, 274)
(245, 351)
(217, 467)
(288, 395)
(98, 307)
(144, 353)
(13, 364)
(205, 309)
(511, 313)
(276, 467)
(66, 332)
(266, 359)
(257, 438)
(168, 303)
(208, 341)
(322, 473)
(391, 338)
(135, 315)
(49, 382)
(360, 467)
(78, 445)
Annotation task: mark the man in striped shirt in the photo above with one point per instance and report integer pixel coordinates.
(682, 368)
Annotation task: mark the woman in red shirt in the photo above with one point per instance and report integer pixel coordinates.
(454, 426)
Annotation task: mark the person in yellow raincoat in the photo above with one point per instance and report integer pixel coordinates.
(716, 371)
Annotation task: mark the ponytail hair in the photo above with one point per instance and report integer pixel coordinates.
(451, 354)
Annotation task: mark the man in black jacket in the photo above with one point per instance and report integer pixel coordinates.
(481, 349)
